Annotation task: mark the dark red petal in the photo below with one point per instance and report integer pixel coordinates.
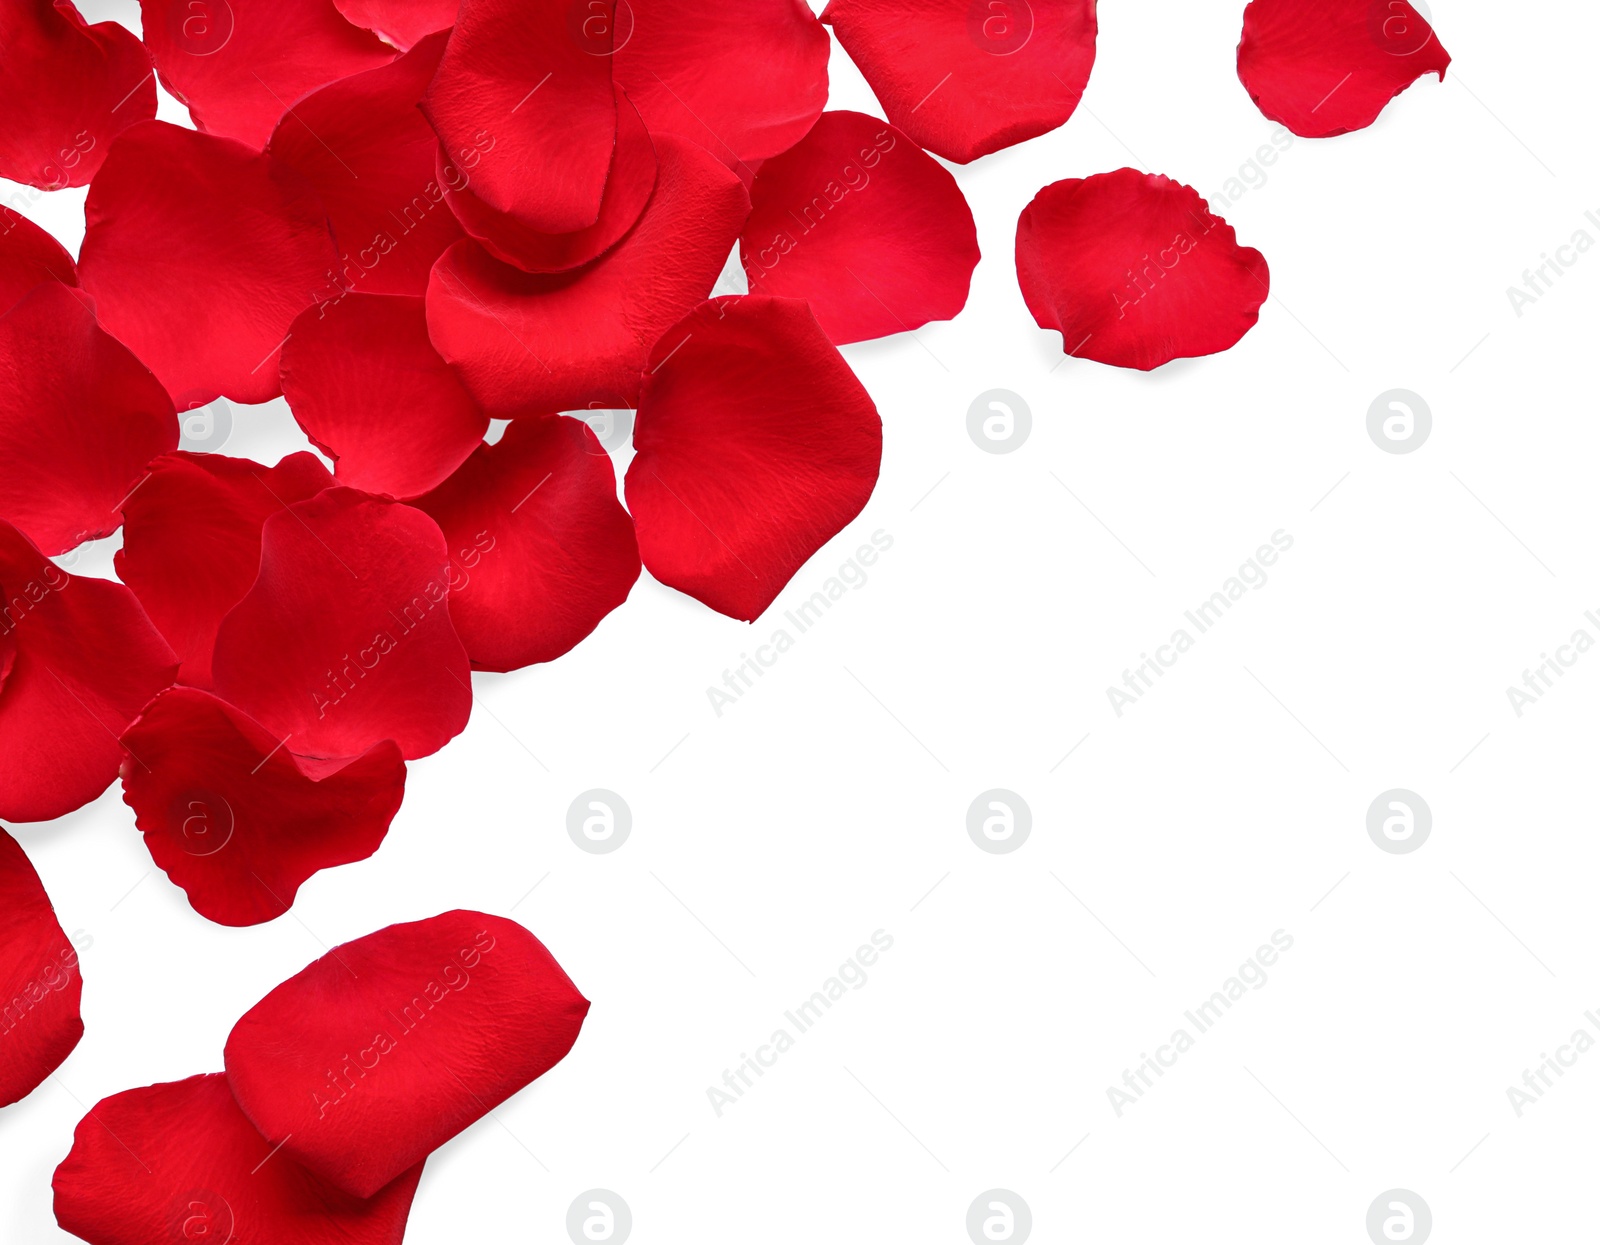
(967, 79)
(345, 638)
(628, 189)
(366, 385)
(403, 23)
(69, 89)
(29, 255)
(755, 445)
(1325, 67)
(562, 342)
(544, 549)
(87, 660)
(234, 820)
(380, 1052)
(518, 86)
(180, 1162)
(745, 80)
(191, 543)
(79, 419)
(240, 64)
(370, 154)
(199, 254)
(1133, 269)
(862, 224)
(40, 981)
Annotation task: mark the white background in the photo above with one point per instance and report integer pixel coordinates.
(1230, 802)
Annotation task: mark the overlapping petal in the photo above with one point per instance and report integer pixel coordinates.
(403, 23)
(29, 255)
(41, 984)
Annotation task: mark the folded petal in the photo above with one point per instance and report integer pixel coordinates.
(861, 223)
(563, 342)
(1133, 269)
(79, 419)
(345, 640)
(755, 445)
(29, 255)
(404, 23)
(380, 1052)
(963, 79)
(40, 981)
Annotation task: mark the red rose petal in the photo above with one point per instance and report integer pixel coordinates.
(191, 543)
(29, 255)
(199, 254)
(234, 819)
(403, 23)
(562, 342)
(745, 81)
(86, 661)
(180, 1162)
(240, 64)
(755, 445)
(543, 548)
(1325, 67)
(964, 79)
(381, 659)
(69, 89)
(380, 1052)
(79, 419)
(1133, 269)
(864, 226)
(40, 981)
(369, 389)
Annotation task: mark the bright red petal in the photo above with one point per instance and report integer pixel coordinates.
(180, 1162)
(366, 385)
(29, 255)
(345, 638)
(1133, 269)
(39, 980)
(967, 79)
(564, 342)
(862, 224)
(380, 1052)
(403, 23)
(755, 445)
(79, 419)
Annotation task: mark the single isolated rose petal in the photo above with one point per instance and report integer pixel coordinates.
(567, 341)
(745, 81)
(68, 90)
(544, 549)
(180, 1162)
(404, 23)
(79, 419)
(755, 445)
(369, 1059)
(345, 638)
(965, 79)
(862, 224)
(40, 981)
(1325, 67)
(519, 86)
(86, 661)
(369, 389)
(370, 154)
(191, 543)
(1133, 269)
(240, 64)
(29, 255)
(199, 254)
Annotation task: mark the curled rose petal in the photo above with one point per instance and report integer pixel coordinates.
(79, 419)
(404, 23)
(563, 342)
(380, 1052)
(755, 445)
(545, 549)
(857, 220)
(180, 1162)
(1133, 269)
(69, 89)
(238, 821)
(965, 79)
(369, 389)
(382, 660)
(40, 981)
(1325, 67)
(29, 255)
(199, 254)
